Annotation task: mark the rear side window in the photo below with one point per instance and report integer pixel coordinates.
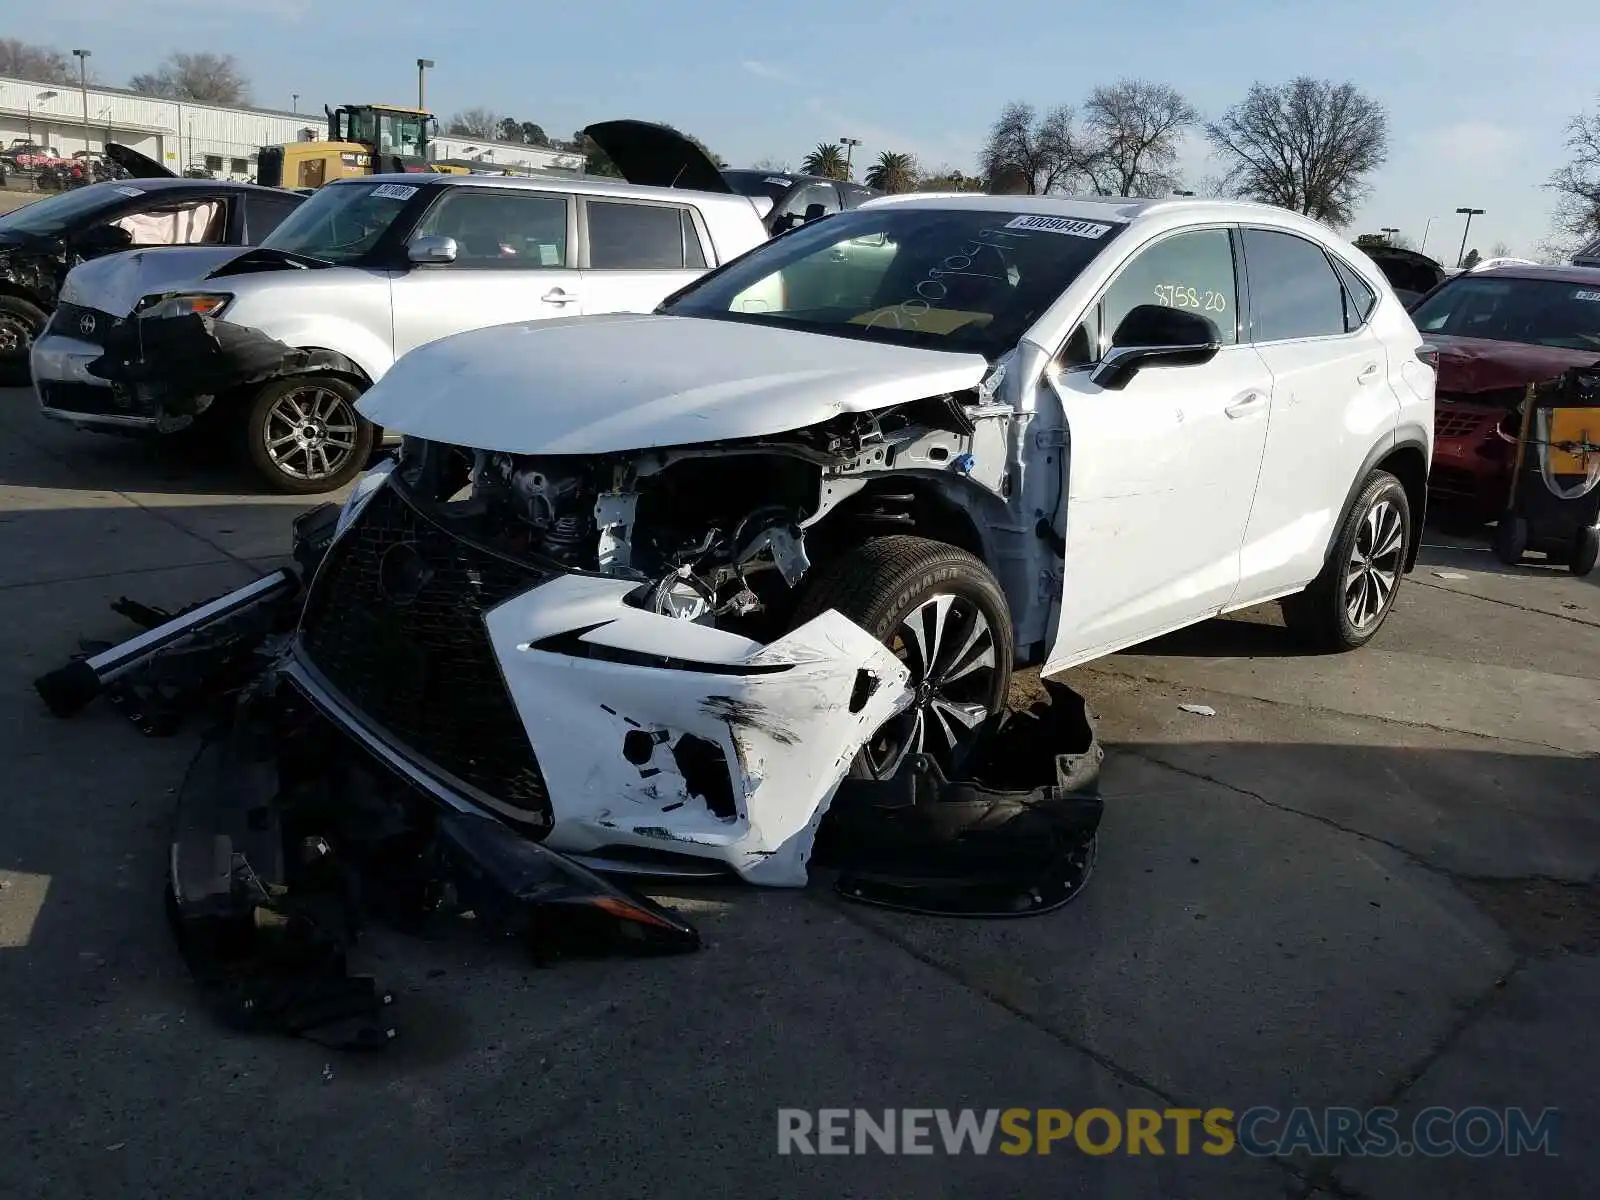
(263, 214)
(1294, 292)
(641, 237)
(1359, 298)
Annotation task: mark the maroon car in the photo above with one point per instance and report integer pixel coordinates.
(1496, 332)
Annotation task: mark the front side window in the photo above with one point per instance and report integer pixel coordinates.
(1192, 271)
(965, 279)
(1539, 312)
(501, 228)
(341, 222)
(637, 237)
(190, 223)
(1294, 292)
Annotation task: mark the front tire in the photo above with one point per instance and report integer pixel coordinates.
(20, 324)
(304, 436)
(1347, 604)
(1585, 552)
(943, 614)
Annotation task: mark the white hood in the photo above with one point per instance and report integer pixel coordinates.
(117, 282)
(601, 384)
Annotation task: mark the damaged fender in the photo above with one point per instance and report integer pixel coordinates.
(667, 735)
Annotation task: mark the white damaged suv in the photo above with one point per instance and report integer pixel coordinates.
(650, 585)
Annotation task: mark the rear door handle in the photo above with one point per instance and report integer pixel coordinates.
(1369, 373)
(1245, 404)
(557, 296)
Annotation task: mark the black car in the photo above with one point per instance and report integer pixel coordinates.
(43, 240)
(660, 156)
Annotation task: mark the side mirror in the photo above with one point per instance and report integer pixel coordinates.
(1155, 335)
(431, 249)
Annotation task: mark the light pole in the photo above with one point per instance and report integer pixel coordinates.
(422, 66)
(294, 102)
(1388, 232)
(83, 85)
(1423, 249)
(1469, 213)
(39, 100)
(849, 145)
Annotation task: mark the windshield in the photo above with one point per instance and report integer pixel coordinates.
(1539, 312)
(341, 222)
(965, 279)
(55, 213)
(401, 133)
(771, 184)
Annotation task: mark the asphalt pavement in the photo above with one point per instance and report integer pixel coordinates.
(1367, 880)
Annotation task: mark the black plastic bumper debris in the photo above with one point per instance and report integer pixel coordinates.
(288, 838)
(1012, 834)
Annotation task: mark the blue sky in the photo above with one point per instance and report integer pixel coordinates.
(1477, 92)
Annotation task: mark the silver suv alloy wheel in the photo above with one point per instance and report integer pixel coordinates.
(310, 433)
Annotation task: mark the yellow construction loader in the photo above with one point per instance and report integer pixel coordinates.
(363, 139)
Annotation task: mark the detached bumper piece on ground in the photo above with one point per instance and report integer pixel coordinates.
(1014, 834)
(290, 835)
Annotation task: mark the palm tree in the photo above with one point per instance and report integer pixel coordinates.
(826, 160)
(893, 172)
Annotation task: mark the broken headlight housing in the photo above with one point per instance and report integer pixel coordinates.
(183, 304)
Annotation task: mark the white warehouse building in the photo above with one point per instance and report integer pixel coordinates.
(181, 134)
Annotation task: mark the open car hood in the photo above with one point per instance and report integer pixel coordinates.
(136, 164)
(655, 156)
(1407, 270)
(605, 384)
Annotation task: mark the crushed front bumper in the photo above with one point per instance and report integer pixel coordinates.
(68, 391)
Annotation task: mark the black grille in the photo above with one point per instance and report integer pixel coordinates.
(395, 622)
(69, 321)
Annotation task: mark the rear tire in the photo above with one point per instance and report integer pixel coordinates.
(1348, 603)
(21, 323)
(923, 599)
(303, 435)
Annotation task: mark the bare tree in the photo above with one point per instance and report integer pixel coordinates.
(1026, 152)
(476, 123)
(1134, 128)
(204, 78)
(945, 178)
(1499, 250)
(1577, 185)
(40, 64)
(777, 166)
(1307, 145)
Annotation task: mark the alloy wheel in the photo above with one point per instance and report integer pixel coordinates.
(948, 646)
(310, 432)
(1376, 560)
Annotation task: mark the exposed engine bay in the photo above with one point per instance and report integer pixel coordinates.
(715, 532)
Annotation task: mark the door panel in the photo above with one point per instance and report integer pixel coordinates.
(515, 261)
(1161, 473)
(1331, 402)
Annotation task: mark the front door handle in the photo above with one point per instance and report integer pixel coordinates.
(1369, 373)
(557, 296)
(1246, 404)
